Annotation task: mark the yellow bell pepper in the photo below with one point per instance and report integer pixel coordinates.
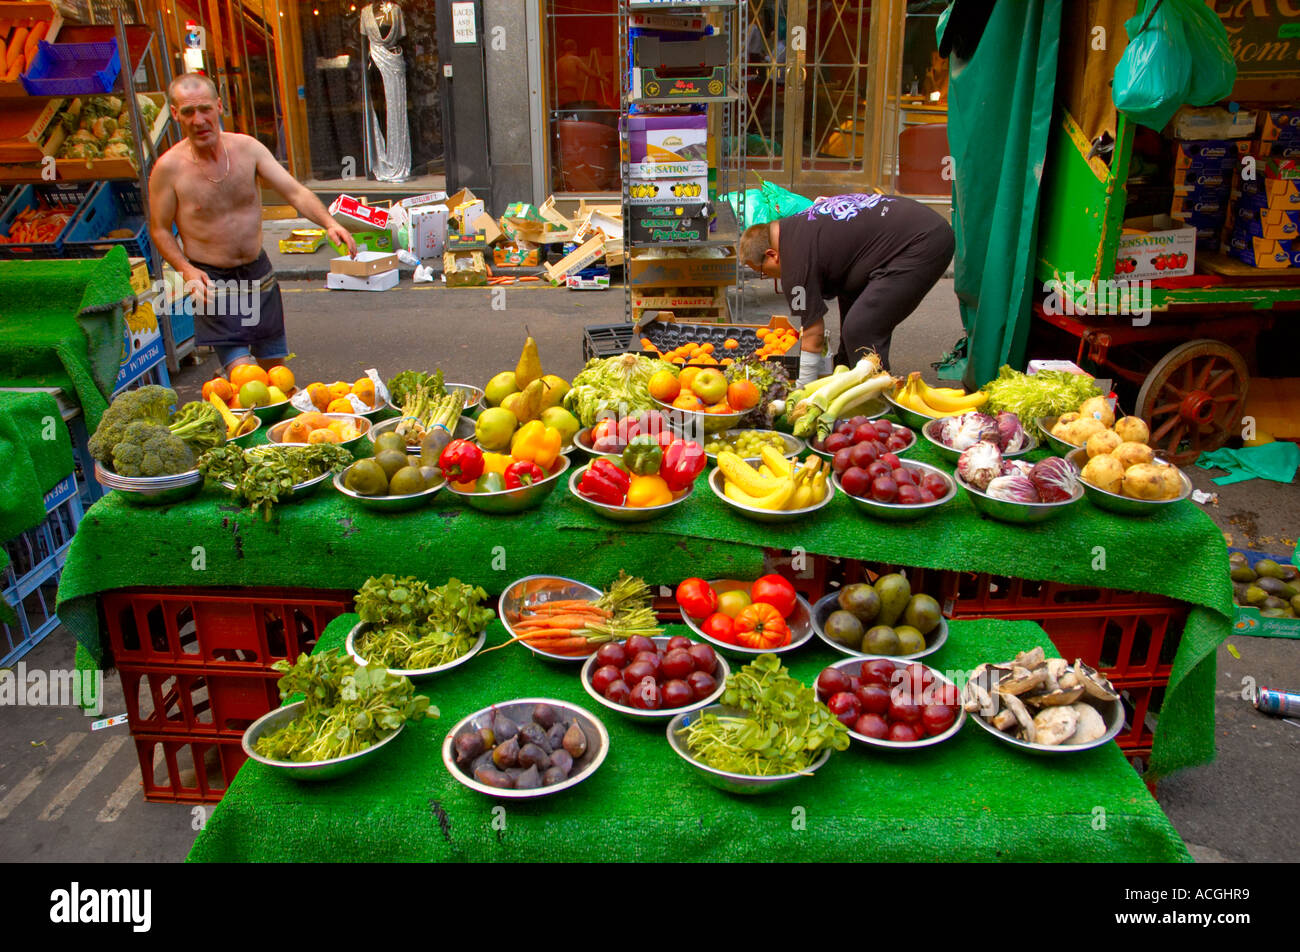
(538, 443)
(496, 462)
(645, 491)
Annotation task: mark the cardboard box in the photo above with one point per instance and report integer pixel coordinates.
(685, 271)
(583, 282)
(1287, 170)
(475, 241)
(1148, 239)
(427, 230)
(428, 198)
(464, 269)
(581, 257)
(1279, 150)
(381, 281)
(139, 274)
(26, 133)
(368, 241)
(1204, 178)
(365, 264)
(1274, 191)
(651, 85)
(483, 222)
(512, 256)
(357, 216)
(1279, 124)
(1263, 252)
(671, 139)
(23, 11)
(303, 241)
(674, 228)
(1282, 225)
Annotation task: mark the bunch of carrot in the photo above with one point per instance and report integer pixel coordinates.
(578, 626)
(18, 48)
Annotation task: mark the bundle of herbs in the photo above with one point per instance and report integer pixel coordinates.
(262, 475)
(416, 626)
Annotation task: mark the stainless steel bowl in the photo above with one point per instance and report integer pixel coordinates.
(272, 411)
(722, 779)
(799, 623)
(1022, 513)
(415, 674)
(536, 590)
(296, 492)
(695, 422)
(931, 432)
(388, 503)
(721, 671)
(829, 604)
(151, 490)
(514, 500)
(896, 512)
(520, 710)
(911, 445)
(474, 401)
(308, 770)
(245, 440)
(1111, 711)
(853, 665)
(768, 515)
(275, 435)
(910, 418)
(1059, 446)
(793, 445)
(624, 513)
(1126, 505)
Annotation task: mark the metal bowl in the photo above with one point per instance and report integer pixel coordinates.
(514, 500)
(722, 779)
(1059, 446)
(721, 671)
(851, 667)
(474, 400)
(272, 411)
(296, 492)
(910, 418)
(308, 770)
(1021, 513)
(1112, 711)
(897, 512)
(534, 590)
(799, 623)
(1126, 505)
(693, 421)
(275, 435)
(464, 431)
(245, 440)
(624, 513)
(521, 710)
(415, 674)
(151, 490)
(911, 445)
(793, 445)
(828, 604)
(931, 432)
(767, 515)
(388, 503)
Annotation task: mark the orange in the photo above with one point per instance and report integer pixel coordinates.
(706, 359)
(688, 377)
(364, 390)
(762, 332)
(323, 435)
(743, 395)
(221, 387)
(339, 389)
(730, 344)
(721, 407)
(664, 386)
(314, 420)
(726, 361)
(706, 348)
(688, 401)
(341, 405)
(246, 373)
(282, 377)
(320, 396)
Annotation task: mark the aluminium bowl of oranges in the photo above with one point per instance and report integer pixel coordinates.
(703, 397)
(312, 427)
(265, 392)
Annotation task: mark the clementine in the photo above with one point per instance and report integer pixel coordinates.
(241, 374)
(743, 394)
(282, 377)
(664, 386)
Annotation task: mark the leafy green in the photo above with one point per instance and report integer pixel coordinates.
(619, 384)
(263, 474)
(411, 385)
(418, 626)
(773, 384)
(785, 730)
(1030, 396)
(346, 708)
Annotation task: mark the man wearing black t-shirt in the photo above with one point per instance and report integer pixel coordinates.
(878, 255)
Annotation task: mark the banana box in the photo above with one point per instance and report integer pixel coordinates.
(656, 183)
(1215, 154)
(1198, 202)
(1264, 252)
(1280, 125)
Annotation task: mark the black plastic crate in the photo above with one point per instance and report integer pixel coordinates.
(610, 340)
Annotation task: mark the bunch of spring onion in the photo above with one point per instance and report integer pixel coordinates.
(580, 626)
(425, 403)
(814, 408)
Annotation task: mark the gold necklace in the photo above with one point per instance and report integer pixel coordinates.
(194, 156)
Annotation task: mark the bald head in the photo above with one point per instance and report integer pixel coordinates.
(190, 84)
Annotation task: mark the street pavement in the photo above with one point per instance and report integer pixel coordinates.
(67, 794)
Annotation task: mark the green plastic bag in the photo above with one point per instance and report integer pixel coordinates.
(1153, 76)
(768, 203)
(1213, 69)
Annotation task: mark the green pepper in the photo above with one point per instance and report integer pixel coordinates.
(643, 455)
(490, 483)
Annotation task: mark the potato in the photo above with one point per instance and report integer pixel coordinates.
(1082, 429)
(1103, 443)
(1131, 454)
(1104, 472)
(1132, 429)
(1099, 409)
(1172, 481)
(1143, 481)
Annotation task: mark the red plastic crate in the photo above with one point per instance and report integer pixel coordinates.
(187, 702)
(980, 594)
(1141, 700)
(189, 769)
(218, 629)
(811, 579)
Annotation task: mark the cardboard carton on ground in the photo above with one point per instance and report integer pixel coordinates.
(1158, 236)
(464, 269)
(365, 264)
(368, 241)
(581, 257)
(426, 229)
(516, 256)
(303, 241)
(587, 281)
(382, 281)
(483, 222)
(428, 198)
(355, 215)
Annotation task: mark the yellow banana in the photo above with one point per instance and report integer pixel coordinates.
(819, 487)
(777, 463)
(763, 470)
(950, 405)
(912, 398)
(777, 499)
(803, 496)
(746, 478)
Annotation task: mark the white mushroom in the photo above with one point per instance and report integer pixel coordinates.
(977, 699)
(1030, 659)
(1005, 720)
(1055, 725)
(1021, 713)
(1021, 680)
(1094, 683)
(1092, 725)
(1056, 698)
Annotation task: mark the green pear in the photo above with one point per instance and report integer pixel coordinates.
(500, 387)
(562, 420)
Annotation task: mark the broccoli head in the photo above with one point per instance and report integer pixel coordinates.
(199, 425)
(151, 449)
(148, 404)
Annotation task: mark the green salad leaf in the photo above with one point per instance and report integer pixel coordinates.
(1030, 396)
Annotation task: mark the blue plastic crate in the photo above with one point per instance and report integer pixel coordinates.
(67, 195)
(30, 581)
(112, 205)
(73, 69)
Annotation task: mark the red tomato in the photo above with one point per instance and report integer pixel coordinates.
(719, 627)
(696, 598)
(760, 626)
(775, 591)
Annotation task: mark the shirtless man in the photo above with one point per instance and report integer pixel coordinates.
(207, 184)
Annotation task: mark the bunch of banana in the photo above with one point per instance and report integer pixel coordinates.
(776, 484)
(920, 397)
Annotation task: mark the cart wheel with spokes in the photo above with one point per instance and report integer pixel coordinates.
(1193, 399)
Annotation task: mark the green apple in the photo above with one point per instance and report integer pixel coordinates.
(710, 386)
(562, 420)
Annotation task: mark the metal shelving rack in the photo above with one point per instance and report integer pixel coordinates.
(731, 104)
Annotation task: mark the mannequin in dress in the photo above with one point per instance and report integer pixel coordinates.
(391, 148)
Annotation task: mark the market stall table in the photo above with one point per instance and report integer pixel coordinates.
(968, 799)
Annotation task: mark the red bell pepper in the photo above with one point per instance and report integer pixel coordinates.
(461, 461)
(523, 473)
(683, 461)
(605, 482)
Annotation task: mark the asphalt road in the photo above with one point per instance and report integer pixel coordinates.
(67, 794)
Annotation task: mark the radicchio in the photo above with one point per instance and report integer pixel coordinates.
(964, 431)
(1015, 467)
(1011, 435)
(980, 464)
(1015, 488)
(1054, 478)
